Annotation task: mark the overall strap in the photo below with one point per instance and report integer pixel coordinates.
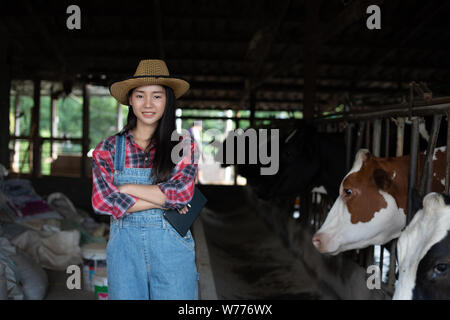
(119, 160)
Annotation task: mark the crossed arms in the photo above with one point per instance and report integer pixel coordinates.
(149, 197)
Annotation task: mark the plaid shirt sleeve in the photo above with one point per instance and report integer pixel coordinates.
(179, 189)
(106, 197)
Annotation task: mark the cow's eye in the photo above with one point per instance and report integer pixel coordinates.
(440, 269)
(348, 192)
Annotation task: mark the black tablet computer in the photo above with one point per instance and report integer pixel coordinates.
(182, 222)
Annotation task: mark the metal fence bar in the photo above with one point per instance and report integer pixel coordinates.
(368, 134)
(368, 253)
(412, 165)
(386, 154)
(405, 111)
(380, 263)
(392, 264)
(369, 256)
(387, 123)
(405, 107)
(359, 138)
(364, 118)
(400, 136)
(376, 138)
(427, 172)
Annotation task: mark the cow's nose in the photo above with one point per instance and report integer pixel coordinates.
(316, 242)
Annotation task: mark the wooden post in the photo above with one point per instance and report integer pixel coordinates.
(5, 88)
(35, 141)
(119, 116)
(16, 146)
(53, 123)
(252, 102)
(158, 27)
(85, 144)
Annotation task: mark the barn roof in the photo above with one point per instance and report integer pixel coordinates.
(225, 47)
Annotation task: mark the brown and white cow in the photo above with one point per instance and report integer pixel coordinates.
(371, 206)
(423, 252)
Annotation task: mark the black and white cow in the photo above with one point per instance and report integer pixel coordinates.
(310, 159)
(423, 250)
(229, 152)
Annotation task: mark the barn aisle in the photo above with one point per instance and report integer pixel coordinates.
(248, 260)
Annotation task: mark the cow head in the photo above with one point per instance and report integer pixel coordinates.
(423, 251)
(367, 210)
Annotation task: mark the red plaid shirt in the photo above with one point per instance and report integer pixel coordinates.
(106, 198)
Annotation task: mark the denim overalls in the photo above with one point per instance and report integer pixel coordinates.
(146, 257)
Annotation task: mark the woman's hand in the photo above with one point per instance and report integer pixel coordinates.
(123, 188)
(184, 210)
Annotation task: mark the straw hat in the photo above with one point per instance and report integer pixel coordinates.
(148, 72)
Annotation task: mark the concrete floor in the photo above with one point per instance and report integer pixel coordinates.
(249, 261)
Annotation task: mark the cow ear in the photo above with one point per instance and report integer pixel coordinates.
(382, 179)
(363, 155)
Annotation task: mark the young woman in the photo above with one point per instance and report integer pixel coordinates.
(134, 180)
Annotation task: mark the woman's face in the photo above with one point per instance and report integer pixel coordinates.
(148, 103)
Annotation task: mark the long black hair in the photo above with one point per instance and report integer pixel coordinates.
(162, 164)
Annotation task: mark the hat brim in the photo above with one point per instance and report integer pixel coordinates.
(120, 89)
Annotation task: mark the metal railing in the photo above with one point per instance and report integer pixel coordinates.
(369, 124)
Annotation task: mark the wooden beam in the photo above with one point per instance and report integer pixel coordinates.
(85, 137)
(119, 116)
(252, 105)
(310, 57)
(48, 40)
(158, 25)
(35, 143)
(5, 88)
(426, 14)
(53, 119)
(16, 146)
(331, 30)
(261, 43)
(5, 33)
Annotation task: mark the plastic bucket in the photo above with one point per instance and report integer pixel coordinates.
(94, 261)
(100, 282)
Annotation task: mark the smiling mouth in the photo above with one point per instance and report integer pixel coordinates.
(148, 114)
